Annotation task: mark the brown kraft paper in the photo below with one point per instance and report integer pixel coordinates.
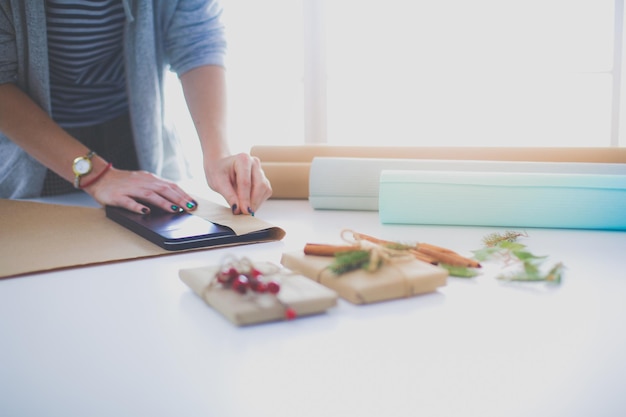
(37, 237)
(391, 281)
(287, 167)
(301, 294)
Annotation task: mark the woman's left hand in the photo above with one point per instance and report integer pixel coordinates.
(240, 180)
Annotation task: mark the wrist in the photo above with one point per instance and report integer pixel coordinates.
(96, 174)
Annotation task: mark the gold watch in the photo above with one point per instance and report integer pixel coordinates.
(81, 167)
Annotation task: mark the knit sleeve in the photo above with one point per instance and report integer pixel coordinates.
(195, 35)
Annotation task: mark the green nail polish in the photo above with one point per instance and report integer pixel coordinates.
(174, 207)
(190, 205)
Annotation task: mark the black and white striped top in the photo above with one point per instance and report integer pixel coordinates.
(85, 50)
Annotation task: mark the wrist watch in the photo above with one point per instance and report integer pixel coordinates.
(82, 166)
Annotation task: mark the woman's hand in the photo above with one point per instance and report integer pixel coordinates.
(240, 180)
(135, 190)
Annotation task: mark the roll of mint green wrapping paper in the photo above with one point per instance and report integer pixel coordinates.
(505, 199)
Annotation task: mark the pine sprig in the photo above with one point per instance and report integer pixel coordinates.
(349, 261)
(495, 239)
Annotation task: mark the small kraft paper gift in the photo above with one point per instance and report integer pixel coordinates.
(366, 271)
(247, 293)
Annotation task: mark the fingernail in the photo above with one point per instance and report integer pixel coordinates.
(145, 210)
(175, 207)
(250, 211)
(234, 208)
(191, 205)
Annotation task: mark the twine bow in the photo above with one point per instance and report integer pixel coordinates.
(378, 254)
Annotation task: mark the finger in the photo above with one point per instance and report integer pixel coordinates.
(168, 196)
(261, 187)
(230, 195)
(136, 190)
(131, 204)
(243, 179)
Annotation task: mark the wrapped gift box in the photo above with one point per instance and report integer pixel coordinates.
(391, 281)
(509, 199)
(299, 293)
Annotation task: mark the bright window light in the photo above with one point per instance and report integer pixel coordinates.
(470, 73)
(424, 73)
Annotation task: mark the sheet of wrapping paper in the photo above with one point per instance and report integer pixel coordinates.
(304, 296)
(241, 225)
(37, 237)
(398, 280)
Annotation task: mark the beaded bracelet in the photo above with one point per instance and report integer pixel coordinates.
(97, 177)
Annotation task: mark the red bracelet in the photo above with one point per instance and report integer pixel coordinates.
(97, 177)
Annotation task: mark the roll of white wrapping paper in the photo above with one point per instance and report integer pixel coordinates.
(338, 183)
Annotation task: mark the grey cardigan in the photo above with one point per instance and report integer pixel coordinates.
(159, 35)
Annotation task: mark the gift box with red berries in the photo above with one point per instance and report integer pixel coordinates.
(247, 293)
(360, 286)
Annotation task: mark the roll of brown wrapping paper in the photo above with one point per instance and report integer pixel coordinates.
(287, 167)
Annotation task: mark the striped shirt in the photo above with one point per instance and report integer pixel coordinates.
(85, 52)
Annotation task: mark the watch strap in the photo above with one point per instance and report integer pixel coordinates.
(77, 176)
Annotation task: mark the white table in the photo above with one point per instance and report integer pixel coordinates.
(130, 339)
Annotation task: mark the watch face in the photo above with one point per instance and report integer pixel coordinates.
(82, 166)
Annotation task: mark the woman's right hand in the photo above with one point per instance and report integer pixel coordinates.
(137, 190)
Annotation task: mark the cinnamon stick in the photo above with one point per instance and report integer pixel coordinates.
(436, 248)
(422, 257)
(325, 250)
(422, 251)
(450, 258)
(430, 253)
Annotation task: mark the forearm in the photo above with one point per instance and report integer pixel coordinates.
(26, 124)
(205, 92)
(239, 178)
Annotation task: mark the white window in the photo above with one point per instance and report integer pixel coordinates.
(425, 72)
(470, 73)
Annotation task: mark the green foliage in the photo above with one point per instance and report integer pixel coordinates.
(460, 271)
(494, 239)
(506, 247)
(349, 261)
(485, 253)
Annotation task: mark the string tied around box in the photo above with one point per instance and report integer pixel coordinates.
(366, 254)
(361, 252)
(242, 276)
(371, 256)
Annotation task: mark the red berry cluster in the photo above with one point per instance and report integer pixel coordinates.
(242, 281)
(250, 279)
